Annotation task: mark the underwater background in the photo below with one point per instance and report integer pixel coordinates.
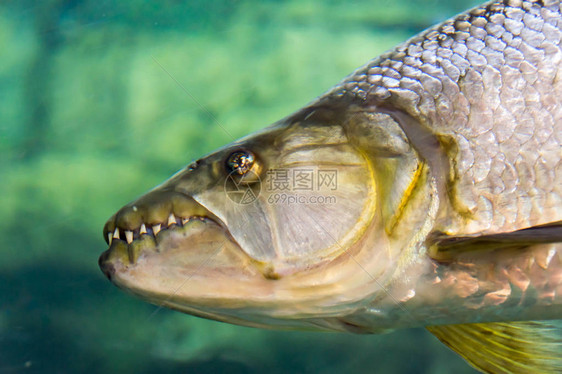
(100, 100)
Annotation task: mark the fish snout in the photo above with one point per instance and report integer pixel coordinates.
(137, 226)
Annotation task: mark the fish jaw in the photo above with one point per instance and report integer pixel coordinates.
(169, 250)
(197, 269)
(157, 224)
(194, 266)
(180, 263)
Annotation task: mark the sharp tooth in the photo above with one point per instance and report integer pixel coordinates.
(116, 233)
(156, 228)
(110, 237)
(129, 236)
(172, 219)
(142, 229)
(184, 221)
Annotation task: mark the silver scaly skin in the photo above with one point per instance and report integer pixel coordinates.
(489, 82)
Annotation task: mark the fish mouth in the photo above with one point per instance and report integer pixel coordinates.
(140, 227)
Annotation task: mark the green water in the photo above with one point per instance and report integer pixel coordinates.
(102, 100)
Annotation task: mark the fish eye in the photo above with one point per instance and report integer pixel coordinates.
(240, 162)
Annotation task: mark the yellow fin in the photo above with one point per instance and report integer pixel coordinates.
(506, 347)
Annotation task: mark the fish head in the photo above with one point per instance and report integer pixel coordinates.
(267, 231)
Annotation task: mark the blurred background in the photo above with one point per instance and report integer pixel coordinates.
(100, 100)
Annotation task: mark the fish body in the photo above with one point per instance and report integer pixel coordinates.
(423, 190)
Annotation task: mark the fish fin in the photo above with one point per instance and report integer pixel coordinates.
(443, 247)
(506, 347)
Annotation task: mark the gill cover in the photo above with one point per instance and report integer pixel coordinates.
(312, 194)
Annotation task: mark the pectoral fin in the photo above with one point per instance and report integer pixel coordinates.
(514, 347)
(445, 248)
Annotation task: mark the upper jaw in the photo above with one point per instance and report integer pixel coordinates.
(137, 226)
(162, 208)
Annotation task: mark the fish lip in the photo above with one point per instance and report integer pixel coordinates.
(107, 268)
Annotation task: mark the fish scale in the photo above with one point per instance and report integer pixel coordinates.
(442, 76)
(527, 286)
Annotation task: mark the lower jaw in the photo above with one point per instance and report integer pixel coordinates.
(127, 254)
